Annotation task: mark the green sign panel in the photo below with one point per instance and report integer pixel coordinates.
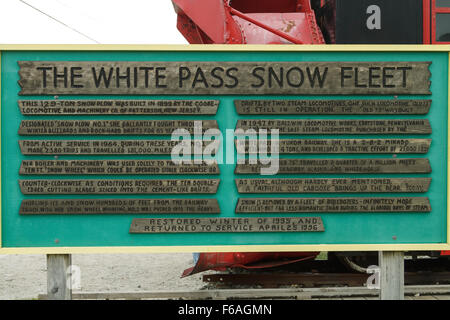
(106, 149)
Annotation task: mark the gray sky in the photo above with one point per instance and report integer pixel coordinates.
(88, 21)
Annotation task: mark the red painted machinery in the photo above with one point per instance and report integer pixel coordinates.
(314, 21)
(248, 22)
(305, 22)
(221, 261)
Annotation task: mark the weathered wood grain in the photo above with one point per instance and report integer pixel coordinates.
(344, 106)
(338, 205)
(112, 127)
(333, 185)
(246, 78)
(337, 126)
(374, 165)
(118, 186)
(316, 146)
(230, 225)
(117, 107)
(118, 206)
(105, 147)
(115, 167)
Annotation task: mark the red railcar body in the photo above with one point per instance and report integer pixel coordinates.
(248, 22)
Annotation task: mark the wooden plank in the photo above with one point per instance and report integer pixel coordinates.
(200, 77)
(345, 204)
(116, 127)
(342, 106)
(392, 275)
(442, 291)
(165, 107)
(109, 147)
(332, 185)
(326, 146)
(119, 186)
(118, 206)
(335, 127)
(116, 167)
(58, 279)
(442, 297)
(375, 165)
(298, 293)
(216, 225)
(428, 289)
(423, 298)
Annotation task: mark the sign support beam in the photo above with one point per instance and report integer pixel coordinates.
(58, 277)
(392, 275)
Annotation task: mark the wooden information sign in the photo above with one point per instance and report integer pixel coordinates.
(158, 149)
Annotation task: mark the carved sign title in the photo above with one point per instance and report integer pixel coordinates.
(144, 78)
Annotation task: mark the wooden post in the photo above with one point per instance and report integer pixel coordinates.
(392, 275)
(58, 277)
